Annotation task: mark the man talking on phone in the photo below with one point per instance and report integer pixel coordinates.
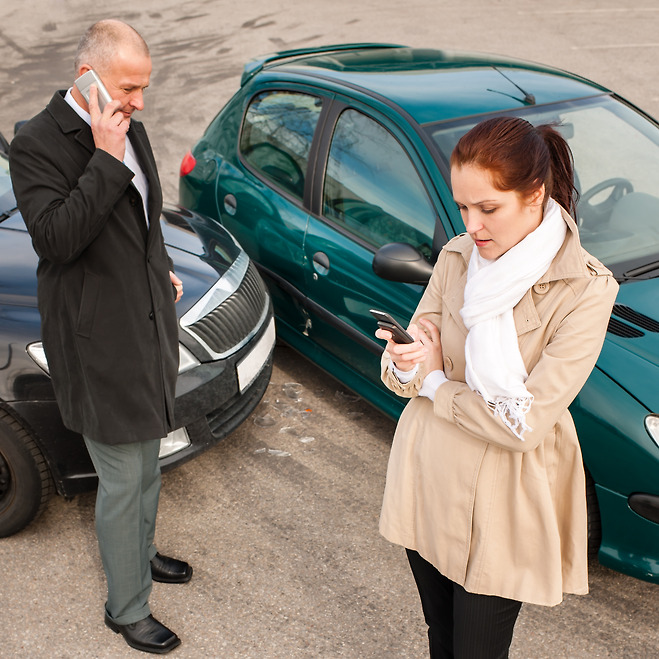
(88, 189)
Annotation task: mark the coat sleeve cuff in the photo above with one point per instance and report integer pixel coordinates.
(403, 376)
(110, 163)
(433, 381)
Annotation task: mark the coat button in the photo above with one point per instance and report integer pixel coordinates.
(448, 364)
(151, 315)
(541, 288)
(133, 201)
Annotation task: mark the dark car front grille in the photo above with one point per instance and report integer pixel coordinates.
(232, 321)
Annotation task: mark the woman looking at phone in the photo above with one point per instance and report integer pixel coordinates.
(485, 486)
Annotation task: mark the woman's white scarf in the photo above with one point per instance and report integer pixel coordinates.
(494, 366)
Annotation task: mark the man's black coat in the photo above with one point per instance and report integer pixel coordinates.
(109, 325)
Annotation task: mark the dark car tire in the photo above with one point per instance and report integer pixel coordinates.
(25, 481)
(594, 519)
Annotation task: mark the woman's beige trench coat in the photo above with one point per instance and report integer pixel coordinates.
(498, 515)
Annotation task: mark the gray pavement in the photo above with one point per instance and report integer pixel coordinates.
(280, 520)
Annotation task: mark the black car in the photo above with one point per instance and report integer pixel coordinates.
(226, 340)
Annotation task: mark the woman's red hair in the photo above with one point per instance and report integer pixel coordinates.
(521, 157)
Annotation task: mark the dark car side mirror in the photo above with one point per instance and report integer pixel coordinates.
(401, 262)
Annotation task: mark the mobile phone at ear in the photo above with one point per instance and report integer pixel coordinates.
(385, 321)
(91, 78)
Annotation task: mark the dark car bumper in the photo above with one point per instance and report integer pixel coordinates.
(209, 405)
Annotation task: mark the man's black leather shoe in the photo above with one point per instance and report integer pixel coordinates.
(170, 570)
(147, 635)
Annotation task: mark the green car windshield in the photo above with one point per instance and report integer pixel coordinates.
(616, 157)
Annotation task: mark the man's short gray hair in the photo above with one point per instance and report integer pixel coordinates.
(100, 42)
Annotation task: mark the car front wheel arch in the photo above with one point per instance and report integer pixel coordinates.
(25, 481)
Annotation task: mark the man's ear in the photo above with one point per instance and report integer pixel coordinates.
(83, 69)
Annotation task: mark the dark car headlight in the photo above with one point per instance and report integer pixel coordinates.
(38, 354)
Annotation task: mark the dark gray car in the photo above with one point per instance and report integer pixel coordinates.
(226, 340)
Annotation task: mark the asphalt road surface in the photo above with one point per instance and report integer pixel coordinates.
(280, 520)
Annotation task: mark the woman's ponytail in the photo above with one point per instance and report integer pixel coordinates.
(562, 168)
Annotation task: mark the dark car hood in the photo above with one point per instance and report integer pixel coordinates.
(18, 264)
(202, 252)
(631, 360)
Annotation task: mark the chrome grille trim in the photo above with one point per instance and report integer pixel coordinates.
(226, 327)
(224, 287)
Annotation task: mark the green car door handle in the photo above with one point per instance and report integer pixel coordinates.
(321, 263)
(230, 204)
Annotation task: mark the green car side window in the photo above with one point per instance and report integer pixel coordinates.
(371, 187)
(276, 137)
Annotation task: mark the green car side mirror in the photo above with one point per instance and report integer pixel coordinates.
(401, 262)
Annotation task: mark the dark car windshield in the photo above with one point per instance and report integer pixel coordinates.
(7, 199)
(616, 156)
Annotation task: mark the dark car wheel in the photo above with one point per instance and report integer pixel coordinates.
(25, 482)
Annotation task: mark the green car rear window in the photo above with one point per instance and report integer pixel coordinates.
(276, 137)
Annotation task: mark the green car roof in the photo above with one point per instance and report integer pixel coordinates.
(433, 85)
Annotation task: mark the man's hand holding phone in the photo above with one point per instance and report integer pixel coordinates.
(109, 127)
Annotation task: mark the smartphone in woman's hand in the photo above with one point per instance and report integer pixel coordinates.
(398, 333)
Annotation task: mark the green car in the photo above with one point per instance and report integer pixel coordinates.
(330, 166)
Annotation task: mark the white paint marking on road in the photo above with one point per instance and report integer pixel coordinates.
(613, 46)
(602, 10)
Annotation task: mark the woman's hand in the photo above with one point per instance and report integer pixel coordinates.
(432, 342)
(427, 347)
